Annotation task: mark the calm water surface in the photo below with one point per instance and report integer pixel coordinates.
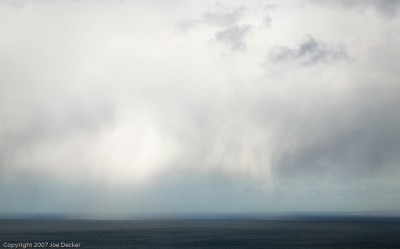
(325, 234)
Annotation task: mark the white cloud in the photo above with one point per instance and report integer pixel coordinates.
(109, 93)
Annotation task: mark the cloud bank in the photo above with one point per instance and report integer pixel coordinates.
(127, 95)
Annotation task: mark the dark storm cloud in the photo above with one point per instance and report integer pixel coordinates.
(309, 51)
(346, 143)
(348, 136)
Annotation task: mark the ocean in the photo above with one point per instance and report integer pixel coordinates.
(329, 233)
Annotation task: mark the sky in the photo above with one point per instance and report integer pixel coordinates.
(114, 108)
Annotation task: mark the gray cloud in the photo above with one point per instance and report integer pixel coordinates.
(234, 37)
(224, 17)
(220, 16)
(310, 51)
(15, 4)
(360, 141)
(231, 30)
(388, 8)
(351, 136)
(267, 21)
(187, 24)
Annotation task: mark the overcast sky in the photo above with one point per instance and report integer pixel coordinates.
(125, 107)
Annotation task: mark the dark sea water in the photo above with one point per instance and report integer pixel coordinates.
(302, 233)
